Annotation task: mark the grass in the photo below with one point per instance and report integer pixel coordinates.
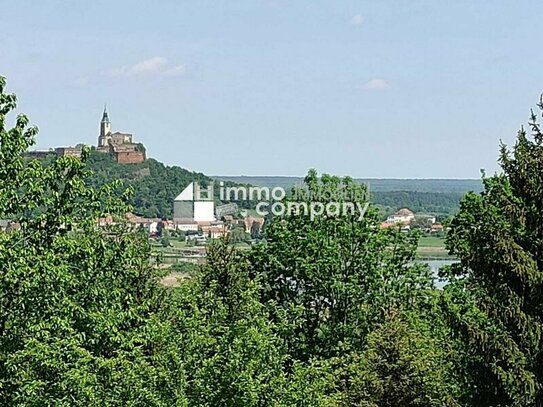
(432, 247)
(178, 243)
(432, 241)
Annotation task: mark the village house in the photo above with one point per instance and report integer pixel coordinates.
(405, 227)
(206, 227)
(69, 151)
(250, 220)
(403, 216)
(216, 232)
(59, 152)
(149, 224)
(186, 225)
(106, 221)
(8, 225)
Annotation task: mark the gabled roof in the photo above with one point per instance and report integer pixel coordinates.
(404, 212)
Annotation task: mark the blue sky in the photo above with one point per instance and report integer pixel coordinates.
(402, 89)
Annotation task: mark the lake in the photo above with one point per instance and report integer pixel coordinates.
(435, 265)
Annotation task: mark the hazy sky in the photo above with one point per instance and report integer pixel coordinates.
(366, 88)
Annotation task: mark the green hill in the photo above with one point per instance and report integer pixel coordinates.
(155, 184)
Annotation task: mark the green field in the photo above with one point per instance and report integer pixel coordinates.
(431, 247)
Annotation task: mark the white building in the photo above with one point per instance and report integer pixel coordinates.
(404, 216)
(186, 225)
(195, 203)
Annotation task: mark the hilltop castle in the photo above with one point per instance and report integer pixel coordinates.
(119, 144)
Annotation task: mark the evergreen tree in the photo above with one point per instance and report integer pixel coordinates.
(495, 302)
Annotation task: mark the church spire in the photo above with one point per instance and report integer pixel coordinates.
(105, 117)
(105, 129)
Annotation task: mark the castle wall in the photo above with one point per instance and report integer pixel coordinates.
(130, 157)
(68, 151)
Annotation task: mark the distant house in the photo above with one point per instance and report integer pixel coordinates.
(432, 219)
(214, 229)
(248, 223)
(186, 225)
(215, 232)
(403, 216)
(150, 224)
(8, 225)
(69, 151)
(108, 220)
(58, 152)
(196, 203)
(403, 226)
(386, 225)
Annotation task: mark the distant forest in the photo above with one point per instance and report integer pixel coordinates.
(376, 184)
(440, 197)
(442, 204)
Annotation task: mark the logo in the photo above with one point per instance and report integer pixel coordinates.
(302, 201)
(195, 203)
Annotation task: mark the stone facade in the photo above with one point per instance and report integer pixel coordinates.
(119, 138)
(59, 152)
(130, 157)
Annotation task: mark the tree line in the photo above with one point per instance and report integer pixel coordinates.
(330, 311)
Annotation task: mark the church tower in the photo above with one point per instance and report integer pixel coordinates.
(105, 129)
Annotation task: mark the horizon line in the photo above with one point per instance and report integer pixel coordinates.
(356, 178)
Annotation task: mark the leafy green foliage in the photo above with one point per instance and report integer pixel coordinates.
(405, 363)
(225, 336)
(330, 268)
(323, 311)
(80, 310)
(330, 282)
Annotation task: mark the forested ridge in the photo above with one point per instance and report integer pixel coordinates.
(325, 311)
(442, 204)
